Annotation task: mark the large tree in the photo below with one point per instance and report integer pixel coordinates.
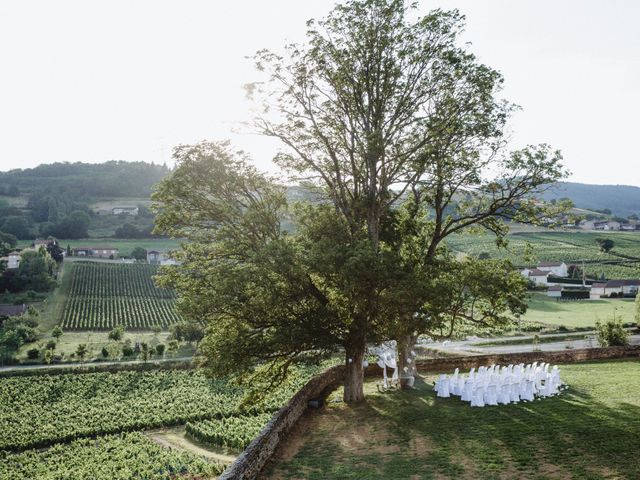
(375, 111)
(375, 108)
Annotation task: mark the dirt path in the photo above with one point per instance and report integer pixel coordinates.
(176, 438)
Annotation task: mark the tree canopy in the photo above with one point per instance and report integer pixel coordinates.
(402, 134)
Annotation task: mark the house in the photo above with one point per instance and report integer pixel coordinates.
(160, 257)
(13, 260)
(539, 277)
(95, 252)
(607, 225)
(631, 287)
(559, 269)
(126, 210)
(555, 291)
(7, 310)
(628, 227)
(614, 287)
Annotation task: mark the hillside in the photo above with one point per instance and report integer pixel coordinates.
(622, 200)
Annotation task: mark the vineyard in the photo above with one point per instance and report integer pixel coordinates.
(103, 295)
(526, 249)
(231, 432)
(78, 418)
(113, 457)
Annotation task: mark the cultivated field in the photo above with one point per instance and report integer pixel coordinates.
(527, 248)
(103, 295)
(84, 417)
(591, 431)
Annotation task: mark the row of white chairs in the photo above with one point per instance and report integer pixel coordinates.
(496, 385)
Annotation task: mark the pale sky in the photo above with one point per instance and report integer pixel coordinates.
(128, 79)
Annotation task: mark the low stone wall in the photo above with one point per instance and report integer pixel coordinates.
(253, 459)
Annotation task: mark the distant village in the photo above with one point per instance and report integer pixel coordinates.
(555, 277)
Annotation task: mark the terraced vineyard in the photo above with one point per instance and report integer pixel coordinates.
(103, 295)
(526, 249)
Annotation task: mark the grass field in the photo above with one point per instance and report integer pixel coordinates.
(580, 313)
(591, 431)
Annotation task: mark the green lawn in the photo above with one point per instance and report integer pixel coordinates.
(580, 313)
(591, 431)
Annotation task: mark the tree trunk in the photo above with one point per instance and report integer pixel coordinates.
(354, 377)
(405, 359)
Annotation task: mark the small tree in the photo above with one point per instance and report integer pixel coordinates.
(105, 352)
(606, 244)
(51, 345)
(57, 332)
(611, 333)
(33, 353)
(69, 251)
(82, 351)
(127, 349)
(48, 356)
(172, 347)
(145, 353)
(139, 254)
(116, 333)
(160, 349)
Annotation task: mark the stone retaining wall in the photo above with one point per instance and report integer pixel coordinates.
(447, 364)
(253, 459)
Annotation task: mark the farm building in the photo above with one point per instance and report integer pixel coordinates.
(7, 310)
(13, 260)
(160, 257)
(126, 210)
(559, 269)
(627, 288)
(95, 252)
(539, 277)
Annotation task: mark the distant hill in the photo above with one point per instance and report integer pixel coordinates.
(622, 200)
(86, 180)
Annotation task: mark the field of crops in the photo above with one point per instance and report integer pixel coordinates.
(63, 425)
(114, 457)
(526, 249)
(43, 410)
(103, 295)
(231, 432)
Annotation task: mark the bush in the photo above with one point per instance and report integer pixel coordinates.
(33, 354)
(105, 352)
(612, 333)
(51, 345)
(127, 350)
(160, 349)
(117, 333)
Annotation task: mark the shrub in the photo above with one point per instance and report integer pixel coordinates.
(117, 333)
(51, 345)
(612, 333)
(33, 353)
(160, 349)
(127, 350)
(105, 352)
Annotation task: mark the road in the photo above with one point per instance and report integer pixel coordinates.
(470, 345)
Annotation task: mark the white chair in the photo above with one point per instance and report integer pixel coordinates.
(443, 388)
(504, 394)
(491, 395)
(467, 390)
(477, 399)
